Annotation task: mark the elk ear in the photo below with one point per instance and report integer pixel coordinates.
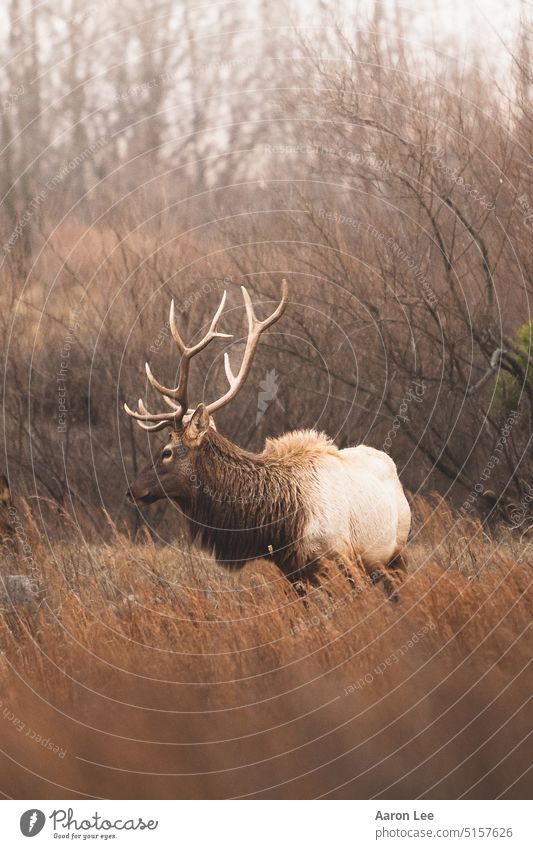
(198, 425)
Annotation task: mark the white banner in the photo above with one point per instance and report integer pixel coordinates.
(267, 824)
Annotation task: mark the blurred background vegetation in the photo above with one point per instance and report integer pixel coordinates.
(153, 150)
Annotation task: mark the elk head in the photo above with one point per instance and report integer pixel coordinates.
(171, 474)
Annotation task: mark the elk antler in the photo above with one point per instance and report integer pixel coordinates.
(255, 328)
(176, 398)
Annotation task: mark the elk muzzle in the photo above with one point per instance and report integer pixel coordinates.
(136, 494)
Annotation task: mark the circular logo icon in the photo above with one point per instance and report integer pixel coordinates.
(32, 822)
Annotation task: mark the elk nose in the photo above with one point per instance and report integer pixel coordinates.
(134, 497)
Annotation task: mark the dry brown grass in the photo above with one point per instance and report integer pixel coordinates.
(163, 676)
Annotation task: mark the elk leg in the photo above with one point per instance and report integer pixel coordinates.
(298, 585)
(398, 564)
(345, 572)
(302, 580)
(314, 581)
(398, 568)
(379, 576)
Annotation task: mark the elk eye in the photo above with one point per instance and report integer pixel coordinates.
(167, 454)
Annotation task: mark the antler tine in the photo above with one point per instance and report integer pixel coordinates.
(255, 328)
(144, 415)
(170, 403)
(140, 422)
(227, 368)
(153, 427)
(213, 325)
(176, 397)
(180, 393)
(160, 420)
(166, 391)
(174, 329)
(212, 333)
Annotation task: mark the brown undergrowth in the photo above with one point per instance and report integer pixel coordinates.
(130, 670)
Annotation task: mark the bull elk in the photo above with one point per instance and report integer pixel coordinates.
(298, 502)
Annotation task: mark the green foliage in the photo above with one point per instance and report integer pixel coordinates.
(508, 388)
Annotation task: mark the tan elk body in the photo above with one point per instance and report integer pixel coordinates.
(299, 501)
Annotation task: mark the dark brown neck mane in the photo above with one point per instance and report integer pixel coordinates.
(244, 505)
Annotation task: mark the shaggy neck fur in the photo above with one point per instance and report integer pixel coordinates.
(246, 506)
